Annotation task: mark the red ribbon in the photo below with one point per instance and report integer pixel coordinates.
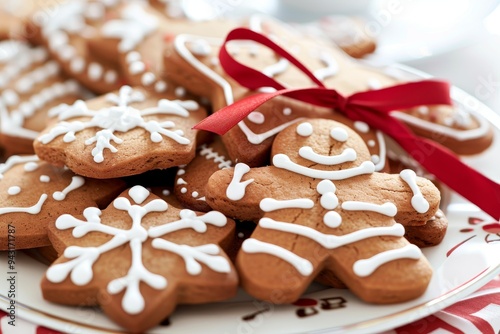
(372, 107)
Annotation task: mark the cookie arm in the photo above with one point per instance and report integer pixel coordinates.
(237, 192)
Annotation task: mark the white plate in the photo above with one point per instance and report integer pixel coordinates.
(465, 260)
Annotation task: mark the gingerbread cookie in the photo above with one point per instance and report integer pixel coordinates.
(192, 61)
(322, 207)
(65, 33)
(122, 133)
(347, 32)
(192, 178)
(34, 193)
(134, 35)
(31, 84)
(430, 234)
(139, 258)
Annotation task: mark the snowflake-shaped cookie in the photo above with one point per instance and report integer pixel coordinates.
(322, 210)
(33, 193)
(139, 258)
(150, 131)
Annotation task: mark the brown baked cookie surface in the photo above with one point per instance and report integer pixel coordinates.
(322, 208)
(34, 193)
(429, 234)
(139, 258)
(124, 133)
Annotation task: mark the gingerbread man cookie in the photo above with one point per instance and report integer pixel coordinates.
(31, 84)
(139, 258)
(122, 133)
(322, 208)
(33, 193)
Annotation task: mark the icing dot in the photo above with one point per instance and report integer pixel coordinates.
(256, 117)
(148, 78)
(339, 134)
(30, 166)
(111, 76)
(375, 159)
(241, 235)
(195, 194)
(180, 91)
(332, 219)
(361, 126)
(160, 86)
(165, 192)
(184, 190)
(94, 71)
(14, 190)
(371, 143)
(10, 97)
(305, 129)
(287, 111)
(77, 65)
(44, 178)
(137, 67)
(133, 57)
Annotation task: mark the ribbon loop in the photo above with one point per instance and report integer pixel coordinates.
(372, 107)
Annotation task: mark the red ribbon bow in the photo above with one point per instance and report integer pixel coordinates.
(372, 107)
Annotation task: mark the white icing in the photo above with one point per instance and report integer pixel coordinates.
(16, 160)
(160, 86)
(180, 91)
(348, 154)
(303, 266)
(31, 166)
(76, 182)
(305, 129)
(14, 190)
(256, 139)
(382, 152)
(366, 267)
(332, 219)
(44, 178)
(419, 203)
(236, 189)
(271, 204)
(95, 71)
(276, 68)
(388, 208)
(148, 79)
(33, 210)
(82, 259)
(184, 190)
(195, 194)
(200, 47)
(460, 135)
(287, 111)
(256, 117)
(132, 27)
(121, 117)
(209, 153)
(361, 126)
(339, 134)
(327, 189)
(284, 162)
(137, 67)
(331, 67)
(331, 241)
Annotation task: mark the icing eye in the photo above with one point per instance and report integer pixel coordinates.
(305, 129)
(256, 117)
(339, 134)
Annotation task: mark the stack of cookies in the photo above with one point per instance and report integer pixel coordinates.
(98, 104)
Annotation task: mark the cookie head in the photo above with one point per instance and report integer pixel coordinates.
(320, 145)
